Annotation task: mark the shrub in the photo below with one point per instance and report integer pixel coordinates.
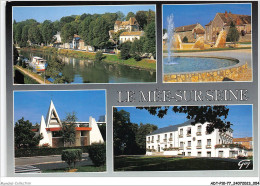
(71, 156)
(45, 145)
(99, 56)
(97, 153)
(185, 40)
(241, 157)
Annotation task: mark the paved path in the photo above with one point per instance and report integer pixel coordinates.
(49, 162)
(32, 76)
(27, 169)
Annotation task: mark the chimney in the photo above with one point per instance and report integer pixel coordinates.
(226, 14)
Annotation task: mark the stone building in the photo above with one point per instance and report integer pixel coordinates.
(193, 140)
(192, 32)
(130, 36)
(222, 21)
(86, 132)
(246, 142)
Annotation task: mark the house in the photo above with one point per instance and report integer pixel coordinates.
(192, 32)
(75, 41)
(193, 140)
(130, 36)
(50, 127)
(222, 21)
(128, 26)
(83, 46)
(246, 142)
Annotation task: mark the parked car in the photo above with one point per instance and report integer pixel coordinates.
(112, 52)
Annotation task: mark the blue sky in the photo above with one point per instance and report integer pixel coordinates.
(203, 14)
(54, 13)
(242, 123)
(33, 104)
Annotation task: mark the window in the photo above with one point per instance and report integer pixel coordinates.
(189, 153)
(199, 154)
(158, 137)
(181, 144)
(152, 138)
(208, 154)
(152, 147)
(170, 135)
(199, 128)
(148, 147)
(199, 143)
(220, 154)
(181, 131)
(165, 136)
(189, 143)
(56, 134)
(165, 146)
(83, 133)
(148, 138)
(189, 131)
(208, 142)
(171, 145)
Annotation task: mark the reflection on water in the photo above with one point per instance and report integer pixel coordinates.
(86, 71)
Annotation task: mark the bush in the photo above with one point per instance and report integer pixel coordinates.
(241, 157)
(185, 40)
(29, 152)
(97, 153)
(99, 56)
(71, 156)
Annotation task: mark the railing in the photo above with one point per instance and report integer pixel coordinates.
(152, 141)
(181, 136)
(170, 139)
(208, 146)
(198, 133)
(189, 147)
(189, 135)
(158, 140)
(165, 140)
(199, 147)
(181, 148)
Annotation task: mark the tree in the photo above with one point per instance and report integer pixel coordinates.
(125, 50)
(25, 34)
(69, 129)
(84, 30)
(143, 130)
(120, 16)
(215, 115)
(110, 19)
(34, 34)
(141, 18)
(233, 34)
(185, 39)
(124, 133)
(150, 16)
(15, 55)
(136, 50)
(24, 137)
(66, 19)
(150, 42)
(67, 33)
(130, 14)
(47, 31)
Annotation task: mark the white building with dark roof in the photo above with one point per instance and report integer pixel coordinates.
(192, 140)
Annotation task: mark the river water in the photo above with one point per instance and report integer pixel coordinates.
(87, 71)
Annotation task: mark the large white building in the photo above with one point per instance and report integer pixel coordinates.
(192, 140)
(86, 132)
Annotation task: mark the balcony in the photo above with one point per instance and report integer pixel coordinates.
(164, 140)
(199, 147)
(148, 141)
(189, 147)
(198, 133)
(170, 139)
(181, 136)
(152, 141)
(158, 141)
(181, 148)
(208, 146)
(188, 135)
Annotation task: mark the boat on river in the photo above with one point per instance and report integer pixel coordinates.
(38, 63)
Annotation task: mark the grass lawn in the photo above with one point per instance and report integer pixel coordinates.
(159, 163)
(79, 169)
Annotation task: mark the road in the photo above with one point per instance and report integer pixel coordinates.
(50, 162)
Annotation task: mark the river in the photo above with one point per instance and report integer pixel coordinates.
(87, 71)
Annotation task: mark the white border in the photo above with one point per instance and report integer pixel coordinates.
(252, 60)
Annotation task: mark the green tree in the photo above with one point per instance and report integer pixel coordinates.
(25, 33)
(150, 16)
(69, 129)
(34, 34)
(120, 16)
(54, 69)
(47, 31)
(215, 115)
(67, 33)
(130, 14)
(150, 41)
(124, 133)
(233, 34)
(141, 17)
(65, 20)
(84, 30)
(143, 130)
(137, 50)
(15, 55)
(24, 137)
(185, 39)
(110, 19)
(125, 50)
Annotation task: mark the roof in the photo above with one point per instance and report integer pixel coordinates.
(199, 31)
(186, 28)
(171, 128)
(136, 33)
(242, 139)
(238, 19)
(131, 21)
(209, 23)
(118, 22)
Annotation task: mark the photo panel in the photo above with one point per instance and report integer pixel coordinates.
(183, 138)
(84, 44)
(207, 42)
(60, 131)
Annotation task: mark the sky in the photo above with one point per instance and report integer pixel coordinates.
(203, 14)
(33, 104)
(54, 13)
(242, 123)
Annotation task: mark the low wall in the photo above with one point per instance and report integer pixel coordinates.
(208, 76)
(174, 153)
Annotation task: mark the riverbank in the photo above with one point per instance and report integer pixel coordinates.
(145, 64)
(31, 77)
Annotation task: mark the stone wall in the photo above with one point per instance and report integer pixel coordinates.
(210, 76)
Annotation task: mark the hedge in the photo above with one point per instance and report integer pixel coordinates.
(46, 151)
(97, 153)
